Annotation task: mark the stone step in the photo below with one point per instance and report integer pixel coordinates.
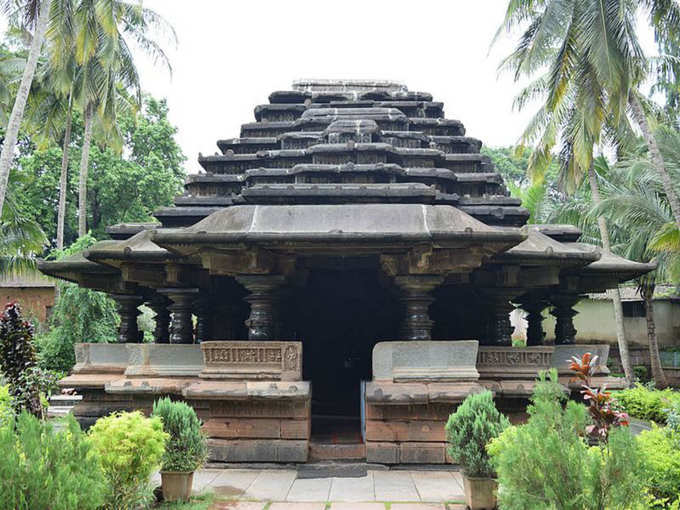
(333, 469)
(336, 451)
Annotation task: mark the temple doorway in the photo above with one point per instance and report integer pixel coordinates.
(340, 313)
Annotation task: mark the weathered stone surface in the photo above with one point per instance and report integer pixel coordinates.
(387, 393)
(264, 360)
(425, 361)
(259, 408)
(405, 431)
(164, 360)
(563, 354)
(93, 358)
(382, 453)
(148, 386)
(257, 450)
(88, 381)
(256, 428)
(512, 362)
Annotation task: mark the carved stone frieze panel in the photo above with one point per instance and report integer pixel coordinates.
(256, 360)
(513, 362)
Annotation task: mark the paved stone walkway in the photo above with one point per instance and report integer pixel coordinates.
(253, 489)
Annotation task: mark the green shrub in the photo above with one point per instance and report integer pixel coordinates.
(43, 469)
(646, 403)
(546, 464)
(660, 451)
(186, 448)
(130, 447)
(6, 411)
(469, 430)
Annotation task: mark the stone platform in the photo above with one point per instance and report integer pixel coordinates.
(256, 409)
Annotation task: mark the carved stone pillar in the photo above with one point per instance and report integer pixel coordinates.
(416, 295)
(128, 309)
(161, 333)
(181, 329)
(204, 309)
(534, 307)
(262, 297)
(498, 329)
(563, 311)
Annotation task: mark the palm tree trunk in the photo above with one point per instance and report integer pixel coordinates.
(63, 177)
(12, 133)
(656, 156)
(655, 359)
(614, 294)
(84, 162)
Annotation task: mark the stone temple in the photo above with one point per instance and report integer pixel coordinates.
(335, 283)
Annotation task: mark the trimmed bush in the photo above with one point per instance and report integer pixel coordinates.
(469, 430)
(660, 450)
(42, 469)
(130, 447)
(186, 449)
(646, 403)
(547, 464)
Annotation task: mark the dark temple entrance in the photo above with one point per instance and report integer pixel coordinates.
(339, 313)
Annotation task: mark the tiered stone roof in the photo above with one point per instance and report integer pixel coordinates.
(348, 142)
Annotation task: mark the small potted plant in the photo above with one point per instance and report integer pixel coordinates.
(468, 431)
(186, 449)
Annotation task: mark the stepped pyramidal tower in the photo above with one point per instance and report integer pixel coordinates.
(335, 283)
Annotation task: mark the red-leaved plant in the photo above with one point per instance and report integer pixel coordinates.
(601, 405)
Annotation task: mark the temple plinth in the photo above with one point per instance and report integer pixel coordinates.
(354, 223)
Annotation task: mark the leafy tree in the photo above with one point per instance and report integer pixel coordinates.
(79, 314)
(127, 187)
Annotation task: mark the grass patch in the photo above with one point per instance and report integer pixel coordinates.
(201, 502)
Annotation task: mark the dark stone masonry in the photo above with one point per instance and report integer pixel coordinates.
(335, 283)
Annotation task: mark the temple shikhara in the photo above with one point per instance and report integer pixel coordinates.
(335, 283)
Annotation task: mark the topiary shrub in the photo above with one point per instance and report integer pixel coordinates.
(547, 463)
(43, 469)
(186, 449)
(18, 362)
(130, 447)
(469, 430)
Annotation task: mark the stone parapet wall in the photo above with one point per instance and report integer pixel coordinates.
(245, 420)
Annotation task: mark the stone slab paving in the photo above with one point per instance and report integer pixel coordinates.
(395, 486)
(353, 489)
(270, 485)
(311, 489)
(252, 489)
(250, 505)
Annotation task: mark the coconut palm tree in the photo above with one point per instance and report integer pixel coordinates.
(636, 202)
(564, 49)
(106, 68)
(21, 240)
(35, 14)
